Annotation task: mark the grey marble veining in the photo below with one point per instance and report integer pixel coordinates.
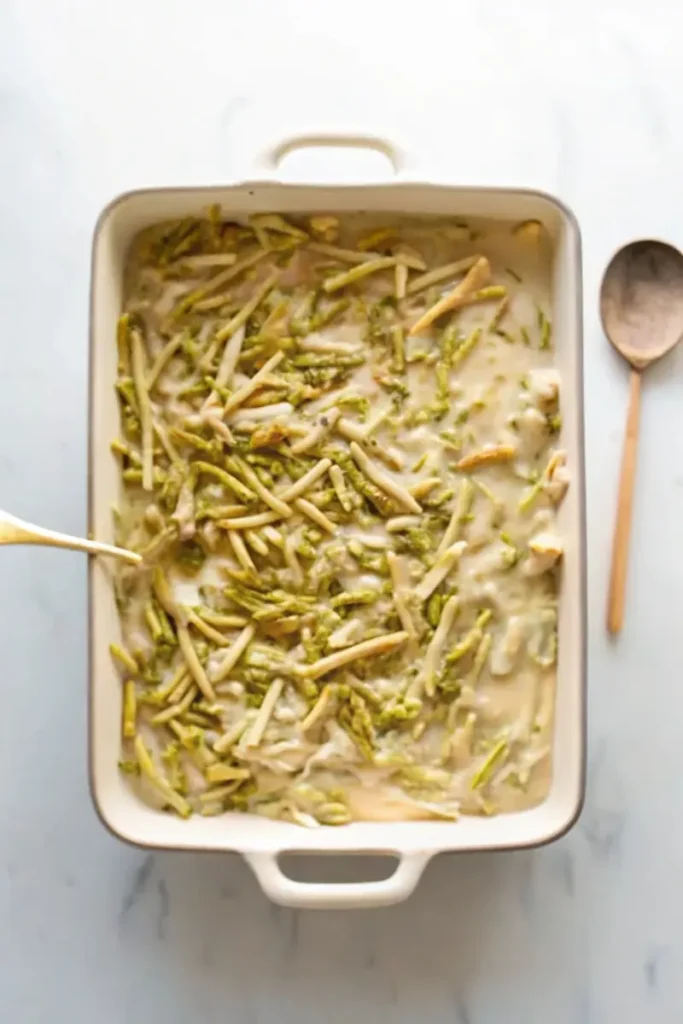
(95, 98)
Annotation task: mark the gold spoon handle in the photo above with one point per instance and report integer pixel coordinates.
(622, 530)
(16, 531)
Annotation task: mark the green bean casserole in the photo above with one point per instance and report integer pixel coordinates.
(341, 462)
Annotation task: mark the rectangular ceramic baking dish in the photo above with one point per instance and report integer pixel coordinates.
(261, 841)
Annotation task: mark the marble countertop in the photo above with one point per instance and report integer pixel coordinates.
(96, 98)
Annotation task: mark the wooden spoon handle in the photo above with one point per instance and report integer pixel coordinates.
(622, 528)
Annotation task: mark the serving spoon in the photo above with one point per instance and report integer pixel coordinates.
(641, 307)
(16, 531)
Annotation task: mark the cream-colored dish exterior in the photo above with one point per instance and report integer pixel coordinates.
(261, 840)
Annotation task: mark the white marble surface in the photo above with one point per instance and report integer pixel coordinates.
(580, 99)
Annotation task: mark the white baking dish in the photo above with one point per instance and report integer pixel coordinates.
(260, 840)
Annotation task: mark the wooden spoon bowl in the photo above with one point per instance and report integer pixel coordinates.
(641, 301)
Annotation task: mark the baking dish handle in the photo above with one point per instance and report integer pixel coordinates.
(288, 892)
(266, 163)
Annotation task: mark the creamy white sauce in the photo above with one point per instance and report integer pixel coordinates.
(488, 747)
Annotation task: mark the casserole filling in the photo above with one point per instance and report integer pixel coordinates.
(340, 460)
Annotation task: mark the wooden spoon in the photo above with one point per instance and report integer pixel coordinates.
(641, 307)
(16, 531)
